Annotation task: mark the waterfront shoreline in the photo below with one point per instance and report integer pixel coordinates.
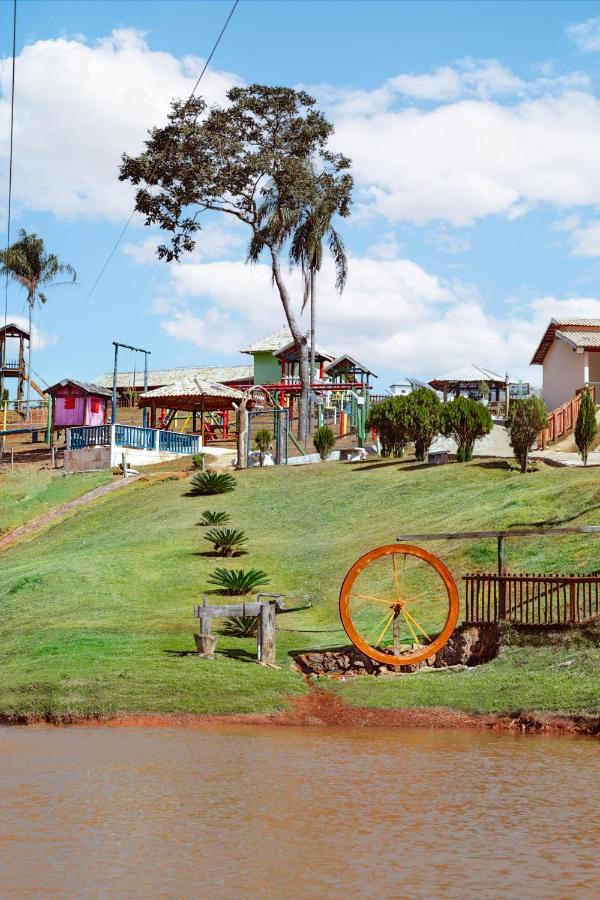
(321, 708)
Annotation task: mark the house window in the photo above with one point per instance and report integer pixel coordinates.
(95, 405)
(70, 402)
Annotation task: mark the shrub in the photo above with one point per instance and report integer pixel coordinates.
(240, 626)
(586, 427)
(204, 483)
(526, 418)
(465, 420)
(324, 441)
(238, 581)
(390, 419)
(214, 518)
(198, 461)
(226, 541)
(424, 410)
(262, 442)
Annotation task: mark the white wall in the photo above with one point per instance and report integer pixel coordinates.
(563, 374)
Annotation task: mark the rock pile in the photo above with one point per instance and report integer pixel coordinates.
(343, 661)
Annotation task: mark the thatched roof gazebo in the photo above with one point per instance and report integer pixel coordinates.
(192, 395)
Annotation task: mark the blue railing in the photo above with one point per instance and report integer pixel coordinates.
(132, 436)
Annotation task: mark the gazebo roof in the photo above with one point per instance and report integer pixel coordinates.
(467, 374)
(192, 394)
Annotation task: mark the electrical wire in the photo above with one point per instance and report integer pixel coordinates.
(167, 146)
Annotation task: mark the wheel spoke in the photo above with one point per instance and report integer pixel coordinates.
(385, 628)
(370, 597)
(395, 565)
(412, 630)
(416, 624)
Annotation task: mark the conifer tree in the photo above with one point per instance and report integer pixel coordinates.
(586, 427)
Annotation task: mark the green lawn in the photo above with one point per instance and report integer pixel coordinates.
(96, 613)
(25, 494)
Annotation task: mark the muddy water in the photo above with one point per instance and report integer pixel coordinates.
(290, 812)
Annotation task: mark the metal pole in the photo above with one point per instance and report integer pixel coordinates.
(114, 385)
(145, 412)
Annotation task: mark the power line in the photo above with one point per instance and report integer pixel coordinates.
(10, 170)
(168, 144)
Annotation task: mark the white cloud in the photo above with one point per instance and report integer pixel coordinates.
(79, 107)
(583, 237)
(40, 339)
(213, 241)
(468, 78)
(448, 241)
(586, 35)
(393, 316)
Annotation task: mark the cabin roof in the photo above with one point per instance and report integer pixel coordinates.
(272, 343)
(558, 328)
(162, 377)
(347, 363)
(85, 386)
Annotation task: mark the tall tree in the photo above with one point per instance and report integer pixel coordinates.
(263, 159)
(585, 427)
(29, 264)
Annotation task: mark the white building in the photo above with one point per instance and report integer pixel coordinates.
(569, 352)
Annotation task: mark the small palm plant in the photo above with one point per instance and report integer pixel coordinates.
(240, 626)
(238, 581)
(227, 541)
(214, 518)
(263, 444)
(204, 483)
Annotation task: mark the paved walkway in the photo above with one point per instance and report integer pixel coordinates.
(496, 443)
(7, 540)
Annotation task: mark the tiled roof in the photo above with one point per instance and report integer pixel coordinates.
(162, 377)
(580, 338)
(271, 343)
(86, 386)
(570, 325)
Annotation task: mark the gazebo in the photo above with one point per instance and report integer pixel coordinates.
(468, 379)
(193, 396)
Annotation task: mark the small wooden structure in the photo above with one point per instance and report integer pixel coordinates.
(78, 403)
(265, 607)
(13, 358)
(469, 379)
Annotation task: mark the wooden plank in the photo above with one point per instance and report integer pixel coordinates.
(516, 532)
(266, 634)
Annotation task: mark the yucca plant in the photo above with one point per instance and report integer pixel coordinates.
(204, 483)
(238, 581)
(214, 518)
(240, 626)
(227, 541)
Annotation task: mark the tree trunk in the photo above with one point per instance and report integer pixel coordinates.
(313, 318)
(241, 435)
(299, 341)
(28, 393)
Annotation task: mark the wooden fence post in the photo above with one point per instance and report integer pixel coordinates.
(501, 581)
(266, 634)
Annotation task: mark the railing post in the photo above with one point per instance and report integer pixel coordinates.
(157, 439)
(501, 580)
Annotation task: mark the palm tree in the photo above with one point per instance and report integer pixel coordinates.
(306, 250)
(27, 262)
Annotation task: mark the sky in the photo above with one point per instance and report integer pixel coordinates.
(474, 133)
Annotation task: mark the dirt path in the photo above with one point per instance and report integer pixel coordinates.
(324, 708)
(7, 540)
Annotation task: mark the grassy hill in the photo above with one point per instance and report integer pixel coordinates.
(96, 612)
(25, 494)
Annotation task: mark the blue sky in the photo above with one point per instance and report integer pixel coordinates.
(475, 134)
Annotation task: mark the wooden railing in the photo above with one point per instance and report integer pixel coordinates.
(562, 420)
(132, 436)
(532, 599)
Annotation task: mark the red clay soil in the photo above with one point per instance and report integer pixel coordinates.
(324, 708)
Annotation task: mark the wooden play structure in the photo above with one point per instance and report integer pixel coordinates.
(265, 608)
(14, 345)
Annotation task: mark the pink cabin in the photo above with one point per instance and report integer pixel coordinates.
(77, 403)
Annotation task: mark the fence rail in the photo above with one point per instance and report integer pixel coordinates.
(531, 599)
(134, 437)
(562, 420)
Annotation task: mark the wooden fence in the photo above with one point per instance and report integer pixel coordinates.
(531, 599)
(562, 420)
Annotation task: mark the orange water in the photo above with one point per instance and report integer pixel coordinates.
(290, 812)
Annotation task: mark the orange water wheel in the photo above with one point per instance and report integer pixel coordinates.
(399, 604)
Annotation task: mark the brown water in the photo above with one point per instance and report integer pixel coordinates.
(290, 812)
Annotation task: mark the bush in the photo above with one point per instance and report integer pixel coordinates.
(586, 427)
(198, 461)
(465, 420)
(424, 410)
(262, 442)
(227, 541)
(240, 626)
(324, 441)
(526, 418)
(214, 518)
(238, 581)
(390, 419)
(205, 483)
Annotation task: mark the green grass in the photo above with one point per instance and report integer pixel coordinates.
(27, 494)
(96, 612)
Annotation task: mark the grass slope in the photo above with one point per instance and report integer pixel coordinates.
(96, 613)
(27, 494)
